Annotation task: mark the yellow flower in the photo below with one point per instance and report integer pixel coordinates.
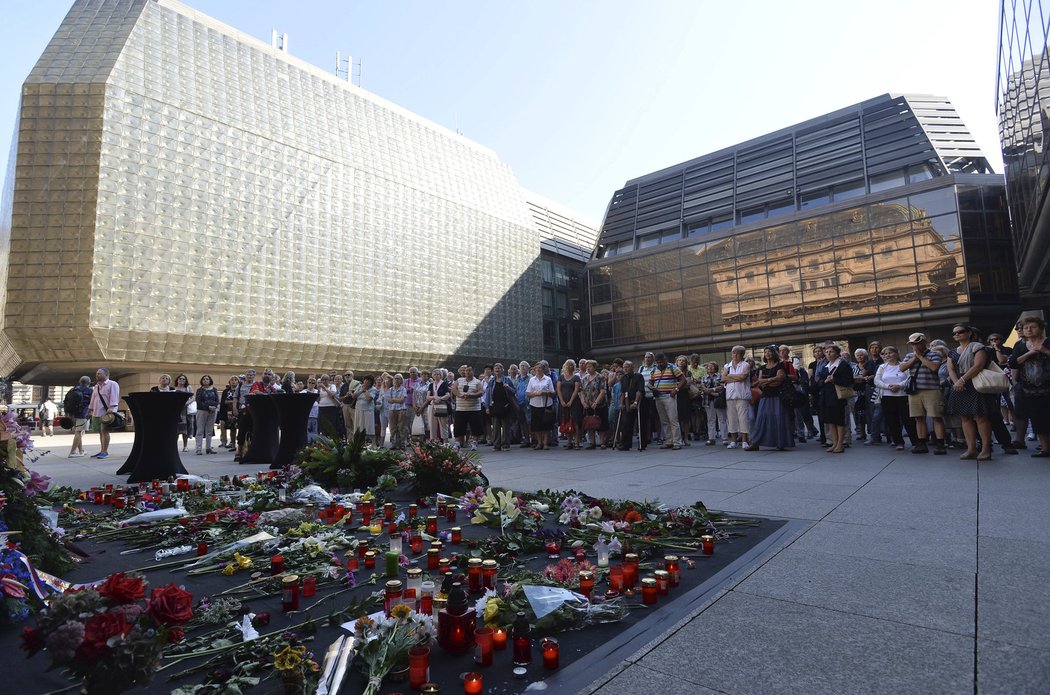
(363, 623)
(229, 569)
(492, 607)
(242, 561)
(288, 658)
(400, 612)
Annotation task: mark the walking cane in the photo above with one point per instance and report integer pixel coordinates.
(639, 420)
(616, 430)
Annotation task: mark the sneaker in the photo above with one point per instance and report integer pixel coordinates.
(710, 442)
(920, 449)
(210, 451)
(900, 447)
(473, 446)
(731, 445)
(200, 453)
(939, 450)
(80, 454)
(102, 455)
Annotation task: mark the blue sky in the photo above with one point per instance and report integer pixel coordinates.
(579, 96)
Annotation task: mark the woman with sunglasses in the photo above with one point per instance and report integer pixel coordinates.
(964, 400)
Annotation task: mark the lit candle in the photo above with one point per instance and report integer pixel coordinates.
(415, 540)
(673, 567)
(489, 569)
(309, 586)
(388, 511)
(616, 578)
(586, 582)
(483, 646)
(370, 559)
(707, 544)
(413, 509)
(395, 543)
(430, 689)
(472, 684)
(663, 581)
(553, 549)
(549, 647)
(457, 535)
(432, 525)
(499, 638)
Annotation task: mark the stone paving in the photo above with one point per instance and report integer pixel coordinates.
(910, 574)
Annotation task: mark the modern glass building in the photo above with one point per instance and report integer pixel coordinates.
(1023, 104)
(872, 221)
(184, 194)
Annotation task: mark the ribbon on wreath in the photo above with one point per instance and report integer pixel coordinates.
(44, 584)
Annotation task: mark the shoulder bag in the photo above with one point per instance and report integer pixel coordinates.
(592, 422)
(991, 380)
(842, 392)
(112, 420)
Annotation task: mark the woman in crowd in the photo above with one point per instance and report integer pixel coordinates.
(863, 382)
(571, 411)
(953, 431)
(439, 396)
(227, 417)
(684, 401)
(833, 408)
(288, 383)
(163, 384)
(328, 410)
(615, 389)
(394, 405)
(207, 398)
(541, 397)
(773, 422)
(964, 400)
(364, 406)
(714, 400)
(188, 416)
(1030, 361)
(593, 399)
(524, 412)
(891, 384)
(384, 383)
(694, 375)
(315, 409)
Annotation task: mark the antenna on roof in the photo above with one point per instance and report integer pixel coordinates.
(347, 68)
(279, 41)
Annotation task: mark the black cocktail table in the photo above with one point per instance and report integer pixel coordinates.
(156, 435)
(293, 410)
(265, 429)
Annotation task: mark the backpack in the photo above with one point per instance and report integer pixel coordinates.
(72, 404)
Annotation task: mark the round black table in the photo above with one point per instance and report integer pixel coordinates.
(136, 447)
(293, 410)
(156, 435)
(265, 432)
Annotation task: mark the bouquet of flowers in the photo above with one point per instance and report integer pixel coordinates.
(111, 636)
(437, 468)
(14, 579)
(299, 672)
(383, 644)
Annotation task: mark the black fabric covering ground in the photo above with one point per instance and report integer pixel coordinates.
(27, 677)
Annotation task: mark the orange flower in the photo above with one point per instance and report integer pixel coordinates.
(632, 517)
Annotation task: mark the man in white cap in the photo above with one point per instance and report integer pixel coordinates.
(924, 393)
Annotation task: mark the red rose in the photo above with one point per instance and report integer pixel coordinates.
(97, 631)
(123, 589)
(32, 641)
(261, 620)
(175, 635)
(170, 605)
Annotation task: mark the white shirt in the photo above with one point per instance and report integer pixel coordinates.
(889, 374)
(328, 396)
(738, 390)
(468, 404)
(543, 383)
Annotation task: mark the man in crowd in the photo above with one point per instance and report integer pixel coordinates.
(467, 391)
(79, 414)
(105, 399)
(632, 394)
(925, 399)
(245, 384)
(665, 380)
(647, 410)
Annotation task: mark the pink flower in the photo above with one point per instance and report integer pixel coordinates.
(37, 483)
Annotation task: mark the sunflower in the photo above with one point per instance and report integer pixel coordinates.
(400, 611)
(289, 658)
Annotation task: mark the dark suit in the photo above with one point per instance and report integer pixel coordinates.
(632, 387)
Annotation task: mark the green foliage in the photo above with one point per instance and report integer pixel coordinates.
(41, 546)
(333, 463)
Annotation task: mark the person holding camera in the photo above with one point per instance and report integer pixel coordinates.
(105, 398)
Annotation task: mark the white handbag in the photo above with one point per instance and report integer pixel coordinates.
(418, 428)
(991, 379)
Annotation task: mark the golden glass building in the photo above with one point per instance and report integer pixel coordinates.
(184, 195)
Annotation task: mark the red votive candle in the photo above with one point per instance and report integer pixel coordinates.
(442, 507)
(418, 667)
(415, 541)
(472, 684)
(362, 548)
(457, 534)
(276, 564)
(352, 564)
(413, 509)
(630, 570)
(450, 516)
(707, 545)
(370, 560)
(649, 591)
(586, 582)
(388, 511)
(553, 549)
(433, 558)
(499, 639)
(489, 569)
(663, 582)
(290, 593)
(309, 586)
(550, 654)
(673, 567)
(432, 525)
(202, 548)
(616, 578)
(474, 575)
(483, 646)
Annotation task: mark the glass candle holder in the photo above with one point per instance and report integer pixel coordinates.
(202, 548)
(352, 563)
(649, 591)
(370, 560)
(432, 525)
(388, 511)
(433, 558)
(472, 684)
(630, 570)
(499, 639)
(707, 545)
(586, 582)
(426, 597)
(483, 646)
(457, 535)
(549, 647)
(489, 569)
(442, 507)
(366, 519)
(309, 586)
(616, 578)
(474, 575)
(395, 543)
(415, 541)
(392, 596)
(672, 565)
(290, 593)
(663, 581)
(276, 564)
(418, 667)
(413, 510)
(450, 514)
(553, 549)
(376, 528)
(414, 579)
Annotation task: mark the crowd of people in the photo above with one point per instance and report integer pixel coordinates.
(879, 394)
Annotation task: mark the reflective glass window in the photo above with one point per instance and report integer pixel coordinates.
(886, 181)
(548, 301)
(720, 223)
(670, 236)
(698, 228)
(751, 215)
(917, 173)
(781, 207)
(649, 240)
(935, 229)
(815, 198)
(845, 191)
(932, 203)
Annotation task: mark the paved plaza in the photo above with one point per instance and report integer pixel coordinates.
(904, 574)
